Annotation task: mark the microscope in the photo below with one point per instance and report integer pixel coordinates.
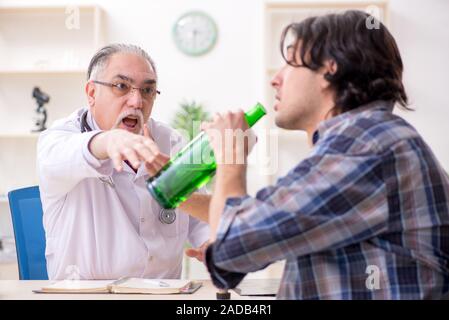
(41, 114)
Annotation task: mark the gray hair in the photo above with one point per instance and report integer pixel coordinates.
(101, 58)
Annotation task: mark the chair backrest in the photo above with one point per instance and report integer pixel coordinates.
(26, 213)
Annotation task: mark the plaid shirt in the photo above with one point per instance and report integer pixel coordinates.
(365, 216)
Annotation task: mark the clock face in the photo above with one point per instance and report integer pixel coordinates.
(195, 33)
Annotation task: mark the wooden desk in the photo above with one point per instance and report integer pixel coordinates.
(23, 290)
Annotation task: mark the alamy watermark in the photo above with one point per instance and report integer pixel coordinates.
(72, 20)
(373, 280)
(373, 20)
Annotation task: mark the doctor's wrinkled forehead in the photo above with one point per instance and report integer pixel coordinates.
(100, 59)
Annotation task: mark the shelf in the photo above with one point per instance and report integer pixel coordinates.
(287, 7)
(19, 135)
(45, 9)
(60, 45)
(41, 71)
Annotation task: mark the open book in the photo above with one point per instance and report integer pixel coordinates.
(123, 285)
(258, 287)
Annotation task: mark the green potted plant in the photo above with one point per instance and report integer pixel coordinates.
(188, 119)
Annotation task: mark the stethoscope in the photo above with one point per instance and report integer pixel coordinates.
(166, 216)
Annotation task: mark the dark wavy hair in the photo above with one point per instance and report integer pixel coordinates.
(369, 66)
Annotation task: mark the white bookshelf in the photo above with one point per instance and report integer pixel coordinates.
(48, 47)
(33, 71)
(49, 38)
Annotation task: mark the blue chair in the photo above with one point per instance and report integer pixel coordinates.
(26, 213)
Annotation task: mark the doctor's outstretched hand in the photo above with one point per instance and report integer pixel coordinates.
(120, 145)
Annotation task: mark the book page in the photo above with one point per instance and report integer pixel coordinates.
(78, 286)
(139, 285)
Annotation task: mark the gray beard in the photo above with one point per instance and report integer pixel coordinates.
(125, 114)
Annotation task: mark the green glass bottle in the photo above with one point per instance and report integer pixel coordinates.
(191, 168)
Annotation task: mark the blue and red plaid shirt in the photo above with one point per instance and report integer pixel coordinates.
(365, 216)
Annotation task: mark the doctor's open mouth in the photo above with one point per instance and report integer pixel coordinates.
(131, 122)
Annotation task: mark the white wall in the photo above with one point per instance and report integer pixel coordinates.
(421, 30)
(232, 74)
(225, 77)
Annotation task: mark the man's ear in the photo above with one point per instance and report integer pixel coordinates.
(90, 93)
(329, 68)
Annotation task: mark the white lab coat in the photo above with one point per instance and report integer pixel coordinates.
(97, 231)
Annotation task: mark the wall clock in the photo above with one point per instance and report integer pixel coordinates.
(195, 33)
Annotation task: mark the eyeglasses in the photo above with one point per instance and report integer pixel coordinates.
(121, 89)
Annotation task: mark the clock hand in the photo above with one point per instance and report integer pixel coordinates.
(195, 32)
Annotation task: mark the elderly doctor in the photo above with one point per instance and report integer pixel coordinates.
(100, 221)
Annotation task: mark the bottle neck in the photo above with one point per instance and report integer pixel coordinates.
(254, 114)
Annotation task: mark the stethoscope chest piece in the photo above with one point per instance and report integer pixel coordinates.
(167, 216)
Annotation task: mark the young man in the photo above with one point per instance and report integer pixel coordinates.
(366, 215)
(100, 221)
